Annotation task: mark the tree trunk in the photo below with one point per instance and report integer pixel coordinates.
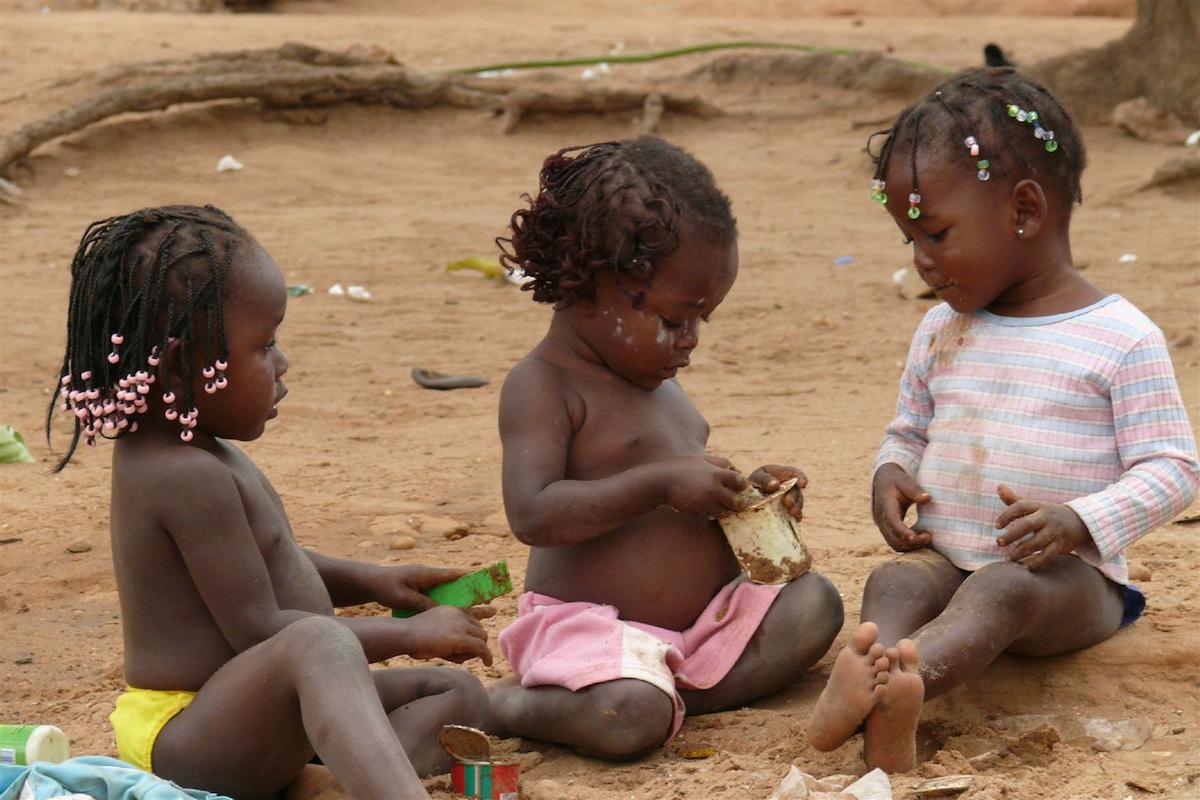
(1159, 59)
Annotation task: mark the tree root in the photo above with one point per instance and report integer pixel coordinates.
(297, 78)
(297, 75)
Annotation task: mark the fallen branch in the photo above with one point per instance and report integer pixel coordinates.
(296, 75)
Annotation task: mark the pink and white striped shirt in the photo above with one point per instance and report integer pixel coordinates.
(1079, 408)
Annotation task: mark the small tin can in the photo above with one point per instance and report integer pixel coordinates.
(765, 538)
(488, 780)
(475, 773)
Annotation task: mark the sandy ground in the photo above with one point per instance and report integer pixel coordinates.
(800, 366)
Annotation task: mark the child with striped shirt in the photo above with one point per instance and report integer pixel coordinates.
(1039, 428)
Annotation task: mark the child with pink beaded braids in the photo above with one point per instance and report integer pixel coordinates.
(238, 670)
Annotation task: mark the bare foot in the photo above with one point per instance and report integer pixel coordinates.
(891, 735)
(315, 783)
(855, 686)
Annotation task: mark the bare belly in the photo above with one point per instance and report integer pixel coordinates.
(661, 569)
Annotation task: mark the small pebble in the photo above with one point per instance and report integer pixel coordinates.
(402, 543)
(1183, 341)
(23, 660)
(79, 547)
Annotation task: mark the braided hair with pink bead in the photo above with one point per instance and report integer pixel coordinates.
(141, 282)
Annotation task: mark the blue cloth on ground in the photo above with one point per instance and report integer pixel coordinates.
(1135, 604)
(99, 777)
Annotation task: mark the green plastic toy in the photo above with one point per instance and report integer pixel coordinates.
(469, 590)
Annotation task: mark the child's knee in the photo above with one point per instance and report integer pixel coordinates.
(468, 702)
(894, 580)
(631, 719)
(320, 640)
(818, 607)
(1004, 585)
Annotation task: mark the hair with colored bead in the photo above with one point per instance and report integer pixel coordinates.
(139, 283)
(610, 207)
(995, 122)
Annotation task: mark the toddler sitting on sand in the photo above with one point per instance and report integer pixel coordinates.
(635, 608)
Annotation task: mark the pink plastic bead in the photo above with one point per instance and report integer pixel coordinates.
(133, 426)
(143, 389)
(222, 382)
(185, 435)
(974, 150)
(221, 364)
(86, 375)
(122, 424)
(142, 375)
(171, 413)
(93, 394)
(109, 407)
(116, 338)
(168, 397)
(210, 388)
(81, 412)
(209, 372)
(153, 361)
(124, 384)
(65, 380)
(109, 425)
(113, 358)
(64, 407)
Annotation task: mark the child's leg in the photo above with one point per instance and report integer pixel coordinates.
(617, 720)
(256, 722)
(419, 701)
(1067, 606)
(900, 596)
(795, 633)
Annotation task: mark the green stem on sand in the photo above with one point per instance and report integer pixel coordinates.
(638, 58)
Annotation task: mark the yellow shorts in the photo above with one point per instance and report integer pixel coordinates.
(139, 717)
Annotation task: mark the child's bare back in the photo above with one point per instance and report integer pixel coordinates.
(174, 637)
(635, 609)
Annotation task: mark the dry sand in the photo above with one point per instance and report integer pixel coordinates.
(799, 366)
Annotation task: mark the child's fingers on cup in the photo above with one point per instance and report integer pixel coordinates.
(732, 480)
(719, 461)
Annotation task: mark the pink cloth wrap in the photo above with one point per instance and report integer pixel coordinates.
(576, 645)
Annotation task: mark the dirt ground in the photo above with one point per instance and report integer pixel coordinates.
(800, 366)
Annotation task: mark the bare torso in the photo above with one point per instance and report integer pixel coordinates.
(172, 641)
(662, 567)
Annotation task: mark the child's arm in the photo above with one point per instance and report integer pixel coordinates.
(545, 509)
(351, 583)
(1158, 456)
(223, 559)
(893, 485)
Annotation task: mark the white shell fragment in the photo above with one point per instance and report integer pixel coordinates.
(229, 164)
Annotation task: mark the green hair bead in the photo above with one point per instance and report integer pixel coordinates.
(983, 163)
(914, 212)
(1012, 110)
(1033, 116)
(1051, 145)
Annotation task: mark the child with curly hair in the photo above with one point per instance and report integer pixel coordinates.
(1039, 429)
(635, 608)
(237, 669)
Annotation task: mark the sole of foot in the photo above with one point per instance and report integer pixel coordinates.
(891, 732)
(855, 685)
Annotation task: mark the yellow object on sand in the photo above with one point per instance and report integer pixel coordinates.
(139, 717)
(488, 266)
